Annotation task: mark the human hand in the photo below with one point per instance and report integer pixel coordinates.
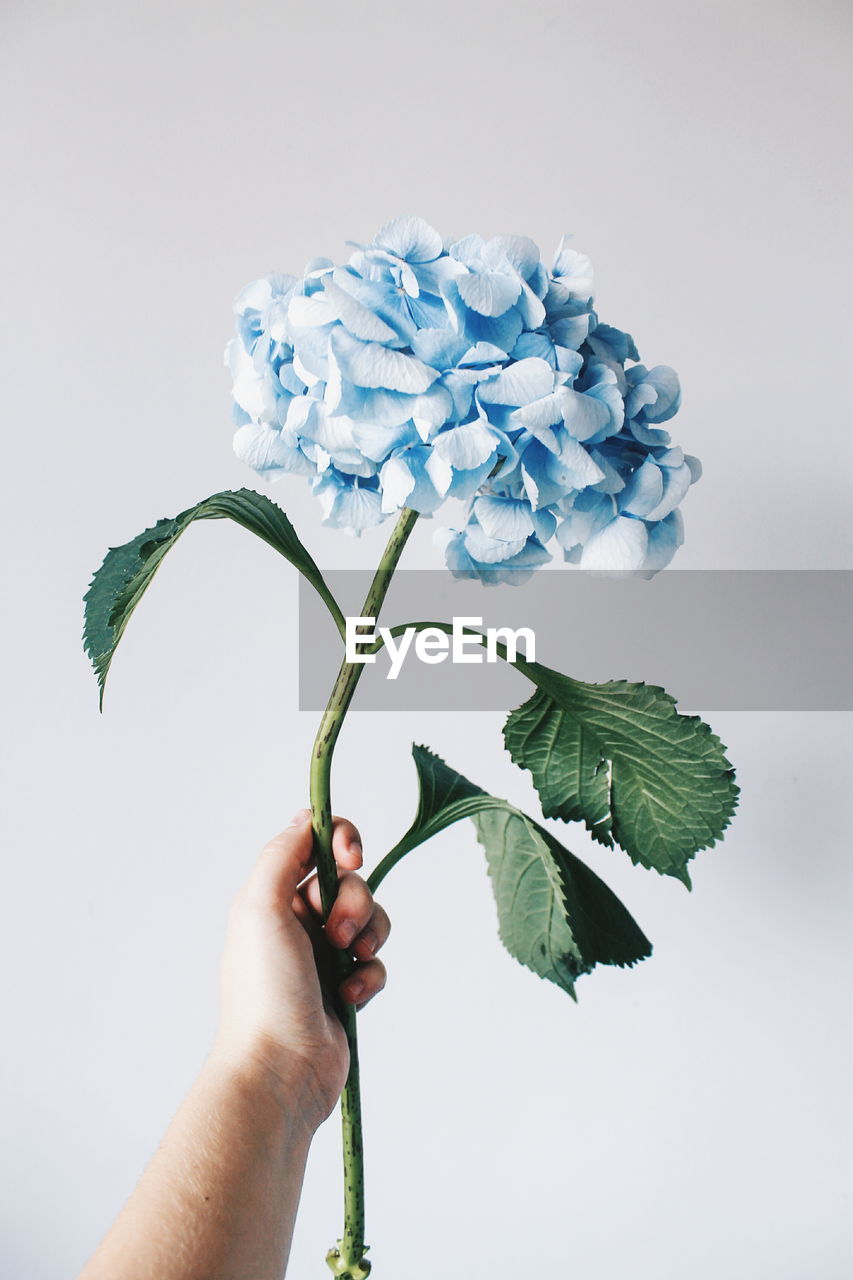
(275, 1007)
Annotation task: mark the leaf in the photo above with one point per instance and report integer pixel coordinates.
(126, 573)
(571, 773)
(555, 915)
(532, 917)
(621, 758)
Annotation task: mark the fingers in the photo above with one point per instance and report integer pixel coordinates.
(346, 844)
(288, 857)
(366, 981)
(355, 922)
(284, 861)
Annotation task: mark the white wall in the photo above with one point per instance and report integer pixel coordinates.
(686, 1119)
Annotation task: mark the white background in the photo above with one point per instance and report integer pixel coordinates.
(687, 1119)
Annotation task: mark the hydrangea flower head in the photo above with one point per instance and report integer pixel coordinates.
(419, 371)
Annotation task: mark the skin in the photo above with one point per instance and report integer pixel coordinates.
(219, 1198)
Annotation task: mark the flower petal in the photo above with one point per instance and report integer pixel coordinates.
(409, 238)
(620, 546)
(465, 446)
(505, 518)
(491, 293)
(643, 491)
(369, 364)
(676, 482)
(519, 383)
(359, 320)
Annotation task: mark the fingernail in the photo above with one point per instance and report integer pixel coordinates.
(369, 940)
(355, 989)
(346, 932)
(354, 845)
(300, 818)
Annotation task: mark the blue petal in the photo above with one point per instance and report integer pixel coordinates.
(355, 508)
(520, 252)
(665, 538)
(489, 550)
(427, 312)
(502, 331)
(584, 415)
(652, 437)
(311, 351)
(643, 490)
(441, 348)
(515, 569)
(589, 513)
(262, 449)
(409, 238)
(304, 312)
(504, 518)
(483, 354)
(695, 467)
(519, 383)
(655, 394)
(381, 297)
(358, 319)
(490, 293)
(676, 482)
(621, 546)
(568, 361)
(416, 478)
(368, 364)
(571, 331)
(578, 466)
(673, 457)
(538, 344)
(544, 524)
(530, 307)
(377, 442)
(468, 250)
(466, 483)
(572, 271)
(545, 479)
(466, 446)
(613, 344)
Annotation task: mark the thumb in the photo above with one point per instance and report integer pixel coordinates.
(284, 861)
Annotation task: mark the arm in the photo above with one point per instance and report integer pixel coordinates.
(219, 1198)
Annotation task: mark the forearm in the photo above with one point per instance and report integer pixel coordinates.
(219, 1198)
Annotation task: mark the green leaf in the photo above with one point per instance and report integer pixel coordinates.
(126, 573)
(571, 772)
(444, 796)
(532, 917)
(621, 758)
(555, 915)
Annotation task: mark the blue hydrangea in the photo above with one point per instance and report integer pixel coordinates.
(419, 372)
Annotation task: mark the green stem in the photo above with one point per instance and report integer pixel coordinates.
(348, 1260)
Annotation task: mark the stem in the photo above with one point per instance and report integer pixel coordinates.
(347, 1260)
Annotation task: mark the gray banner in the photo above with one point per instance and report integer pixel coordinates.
(743, 640)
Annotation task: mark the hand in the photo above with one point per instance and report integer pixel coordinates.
(275, 1011)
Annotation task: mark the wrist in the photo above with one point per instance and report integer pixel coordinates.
(275, 1078)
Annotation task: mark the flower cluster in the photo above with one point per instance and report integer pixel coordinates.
(418, 372)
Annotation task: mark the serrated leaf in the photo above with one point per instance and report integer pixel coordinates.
(671, 790)
(532, 917)
(555, 915)
(127, 571)
(571, 772)
(444, 796)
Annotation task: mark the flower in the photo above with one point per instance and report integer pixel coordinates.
(419, 371)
